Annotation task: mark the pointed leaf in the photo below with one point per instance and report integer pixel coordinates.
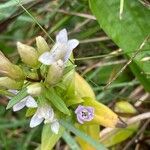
(57, 101)
(22, 94)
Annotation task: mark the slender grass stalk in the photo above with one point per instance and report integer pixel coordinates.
(35, 20)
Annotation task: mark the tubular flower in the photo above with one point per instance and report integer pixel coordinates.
(45, 113)
(61, 50)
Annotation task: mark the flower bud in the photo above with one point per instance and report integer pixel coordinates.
(10, 70)
(8, 83)
(28, 54)
(34, 89)
(42, 46)
(55, 72)
(124, 107)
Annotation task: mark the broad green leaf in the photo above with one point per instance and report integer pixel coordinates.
(57, 101)
(22, 94)
(83, 135)
(119, 135)
(128, 33)
(70, 141)
(49, 139)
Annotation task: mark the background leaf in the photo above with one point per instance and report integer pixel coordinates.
(127, 33)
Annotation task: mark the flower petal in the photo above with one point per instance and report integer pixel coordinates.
(55, 127)
(35, 121)
(19, 105)
(62, 36)
(30, 102)
(46, 58)
(71, 45)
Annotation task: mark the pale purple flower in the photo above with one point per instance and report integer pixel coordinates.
(84, 113)
(61, 50)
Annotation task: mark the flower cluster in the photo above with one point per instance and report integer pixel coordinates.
(46, 83)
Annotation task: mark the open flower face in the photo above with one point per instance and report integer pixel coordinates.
(61, 50)
(84, 114)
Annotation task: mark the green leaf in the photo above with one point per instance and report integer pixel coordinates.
(82, 135)
(22, 94)
(70, 141)
(128, 33)
(49, 139)
(57, 101)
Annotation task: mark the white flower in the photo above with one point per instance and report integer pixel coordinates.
(28, 101)
(45, 113)
(61, 50)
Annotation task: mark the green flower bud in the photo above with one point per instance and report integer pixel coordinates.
(34, 89)
(28, 54)
(42, 46)
(10, 70)
(8, 83)
(55, 72)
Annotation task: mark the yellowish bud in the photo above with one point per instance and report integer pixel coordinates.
(8, 83)
(42, 46)
(124, 107)
(34, 89)
(10, 70)
(28, 54)
(55, 72)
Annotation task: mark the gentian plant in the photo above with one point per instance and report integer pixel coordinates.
(48, 86)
